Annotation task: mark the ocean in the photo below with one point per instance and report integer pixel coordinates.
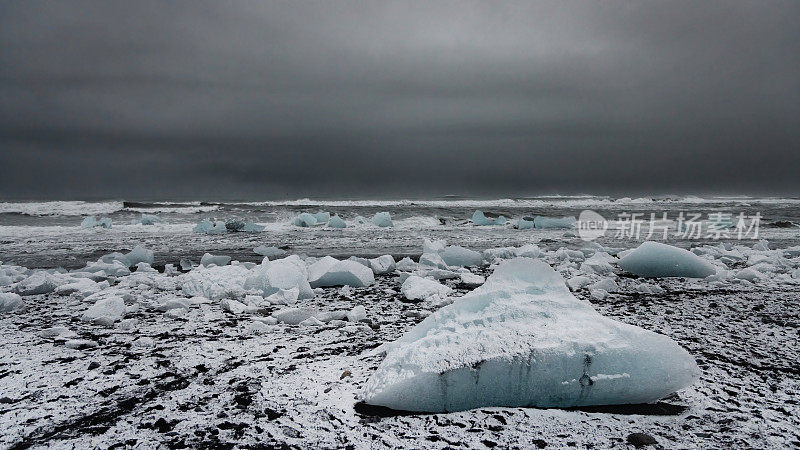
(48, 233)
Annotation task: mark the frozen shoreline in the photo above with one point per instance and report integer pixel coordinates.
(191, 371)
(205, 380)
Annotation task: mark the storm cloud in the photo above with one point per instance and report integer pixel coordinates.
(233, 100)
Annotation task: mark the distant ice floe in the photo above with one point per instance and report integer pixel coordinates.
(149, 219)
(269, 252)
(521, 340)
(382, 219)
(554, 222)
(207, 226)
(337, 222)
(305, 220)
(480, 219)
(91, 222)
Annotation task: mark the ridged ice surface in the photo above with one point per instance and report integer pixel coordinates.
(522, 339)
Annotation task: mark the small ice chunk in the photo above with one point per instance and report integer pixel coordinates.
(144, 342)
(251, 227)
(143, 267)
(106, 309)
(305, 220)
(257, 327)
(471, 280)
(233, 306)
(322, 217)
(750, 275)
(339, 273)
(84, 287)
(284, 297)
(41, 282)
(606, 284)
(327, 316)
(88, 222)
(337, 222)
(206, 226)
(599, 263)
(357, 314)
(363, 261)
(285, 273)
(319, 267)
(186, 264)
(654, 259)
(269, 252)
(480, 219)
(554, 222)
(80, 344)
(209, 259)
(418, 288)
(91, 222)
(435, 246)
(432, 260)
(293, 316)
(312, 322)
(645, 288)
(408, 264)
(525, 223)
(176, 313)
(454, 255)
(382, 264)
(149, 219)
(382, 219)
(529, 251)
(128, 324)
(578, 282)
(173, 303)
(10, 301)
(57, 332)
(762, 245)
(493, 255)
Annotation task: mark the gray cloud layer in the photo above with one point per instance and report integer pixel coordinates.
(276, 99)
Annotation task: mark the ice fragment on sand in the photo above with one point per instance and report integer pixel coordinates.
(654, 259)
(9, 301)
(219, 260)
(418, 288)
(454, 255)
(523, 340)
(331, 272)
(106, 310)
(382, 264)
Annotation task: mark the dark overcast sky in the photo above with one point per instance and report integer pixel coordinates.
(231, 100)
